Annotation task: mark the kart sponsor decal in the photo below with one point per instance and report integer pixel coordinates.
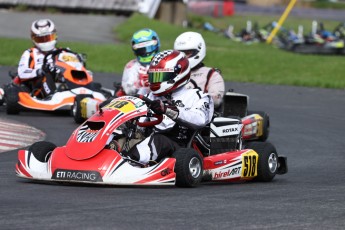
(121, 105)
(230, 172)
(225, 130)
(218, 162)
(249, 164)
(62, 174)
(86, 135)
(65, 57)
(166, 171)
(163, 172)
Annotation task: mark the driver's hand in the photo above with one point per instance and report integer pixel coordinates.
(53, 69)
(40, 73)
(50, 66)
(158, 107)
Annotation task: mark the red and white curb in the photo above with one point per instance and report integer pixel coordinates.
(15, 135)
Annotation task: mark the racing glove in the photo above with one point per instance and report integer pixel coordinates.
(160, 108)
(40, 73)
(53, 69)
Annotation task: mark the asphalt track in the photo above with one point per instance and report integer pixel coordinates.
(307, 125)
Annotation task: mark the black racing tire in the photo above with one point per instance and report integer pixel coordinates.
(266, 124)
(76, 108)
(42, 150)
(268, 160)
(11, 98)
(188, 167)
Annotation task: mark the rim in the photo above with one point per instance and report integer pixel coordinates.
(74, 109)
(272, 162)
(195, 167)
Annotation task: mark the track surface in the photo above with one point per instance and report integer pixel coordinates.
(307, 125)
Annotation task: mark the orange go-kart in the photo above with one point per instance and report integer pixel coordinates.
(71, 79)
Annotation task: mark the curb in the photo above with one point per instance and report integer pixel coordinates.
(15, 135)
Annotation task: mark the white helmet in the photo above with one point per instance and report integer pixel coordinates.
(193, 45)
(43, 34)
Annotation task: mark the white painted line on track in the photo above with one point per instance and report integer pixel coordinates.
(15, 135)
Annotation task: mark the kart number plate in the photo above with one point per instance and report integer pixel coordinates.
(249, 164)
(123, 106)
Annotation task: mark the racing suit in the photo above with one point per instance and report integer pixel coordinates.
(135, 78)
(195, 111)
(29, 68)
(210, 81)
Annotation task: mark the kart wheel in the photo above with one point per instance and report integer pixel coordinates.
(265, 125)
(188, 167)
(77, 108)
(268, 160)
(11, 98)
(42, 150)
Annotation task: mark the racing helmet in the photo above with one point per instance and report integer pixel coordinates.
(168, 71)
(193, 45)
(43, 34)
(145, 44)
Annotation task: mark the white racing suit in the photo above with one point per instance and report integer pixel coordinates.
(210, 81)
(30, 62)
(135, 78)
(195, 111)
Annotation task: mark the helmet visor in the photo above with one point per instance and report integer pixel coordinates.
(190, 53)
(145, 48)
(44, 38)
(156, 77)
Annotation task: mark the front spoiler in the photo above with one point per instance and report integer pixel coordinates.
(119, 172)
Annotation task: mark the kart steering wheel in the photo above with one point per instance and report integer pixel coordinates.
(54, 53)
(149, 123)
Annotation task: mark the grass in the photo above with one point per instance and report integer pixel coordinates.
(258, 63)
(325, 4)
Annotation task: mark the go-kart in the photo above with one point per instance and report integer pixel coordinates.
(318, 41)
(93, 153)
(72, 79)
(256, 123)
(250, 34)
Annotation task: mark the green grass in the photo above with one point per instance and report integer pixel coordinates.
(259, 63)
(325, 4)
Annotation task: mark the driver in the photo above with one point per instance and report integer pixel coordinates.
(206, 78)
(30, 72)
(145, 44)
(185, 110)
